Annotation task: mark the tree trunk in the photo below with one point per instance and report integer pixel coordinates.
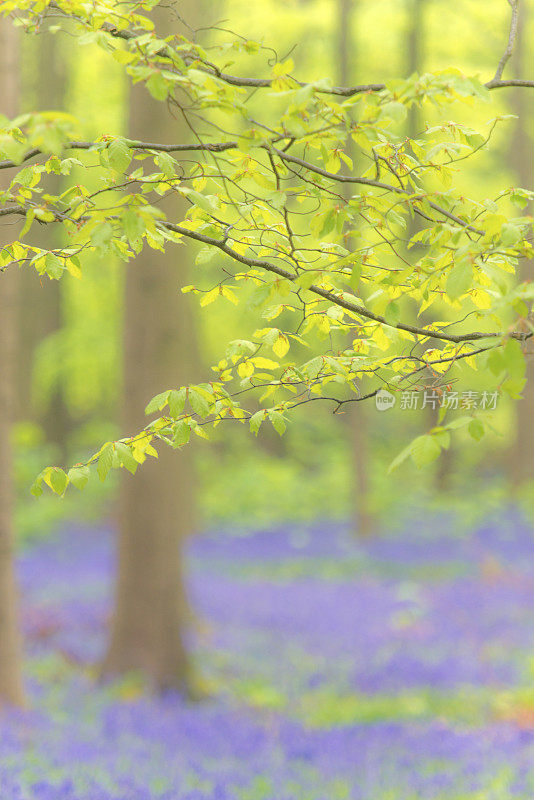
(345, 10)
(364, 521)
(358, 421)
(11, 688)
(41, 295)
(415, 59)
(521, 454)
(156, 505)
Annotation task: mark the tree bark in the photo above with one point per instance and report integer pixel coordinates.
(156, 505)
(41, 295)
(358, 420)
(415, 59)
(521, 453)
(11, 685)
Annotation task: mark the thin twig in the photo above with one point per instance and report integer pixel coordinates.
(514, 24)
(340, 91)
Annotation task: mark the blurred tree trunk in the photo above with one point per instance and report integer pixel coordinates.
(40, 314)
(415, 59)
(11, 688)
(358, 420)
(345, 10)
(156, 505)
(521, 454)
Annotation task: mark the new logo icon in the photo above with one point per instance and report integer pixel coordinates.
(384, 400)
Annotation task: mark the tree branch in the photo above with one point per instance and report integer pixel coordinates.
(216, 147)
(370, 182)
(339, 91)
(219, 147)
(342, 302)
(348, 305)
(494, 84)
(514, 4)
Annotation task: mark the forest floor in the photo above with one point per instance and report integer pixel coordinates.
(397, 669)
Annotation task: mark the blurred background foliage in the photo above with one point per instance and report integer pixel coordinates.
(315, 470)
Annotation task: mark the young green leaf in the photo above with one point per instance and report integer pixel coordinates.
(105, 461)
(78, 476)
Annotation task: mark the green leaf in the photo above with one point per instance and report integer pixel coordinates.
(166, 163)
(37, 486)
(281, 345)
(105, 461)
(424, 450)
(256, 420)
(157, 403)
(513, 387)
(495, 362)
(476, 429)
(198, 403)
(207, 204)
(133, 224)
(392, 313)
(355, 275)
(510, 234)
(400, 458)
(182, 433)
(158, 86)
(394, 111)
(79, 476)
(459, 279)
(513, 359)
(54, 267)
(459, 422)
(442, 437)
(307, 278)
(205, 255)
(57, 480)
(277, 421)
(125, 455)
(176, 402)
(119, 154)
(101, 236)
(30, 216)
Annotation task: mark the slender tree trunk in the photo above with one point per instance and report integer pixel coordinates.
(11, 688)
(358, 420)
(521, 454)
(364, 521)
(43, 296)
(414, 56)
(156, 505)
(415, 59)
(345, 10)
